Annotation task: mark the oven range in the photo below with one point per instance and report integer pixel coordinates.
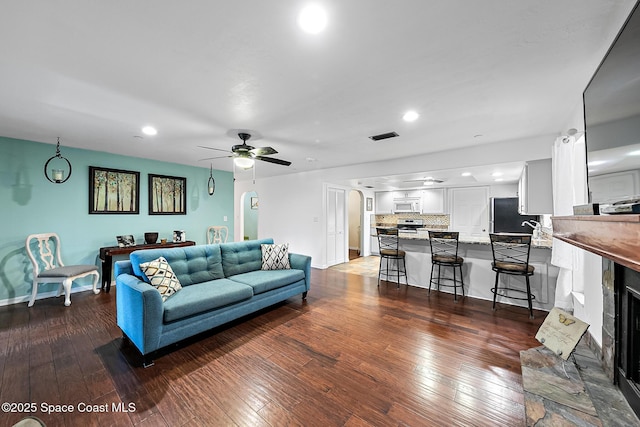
(409, 225)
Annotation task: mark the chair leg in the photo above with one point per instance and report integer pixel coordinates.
(96, 277)
(529, 298)
(67, 291)
(495, 291)
(34, 292)
(461, 280)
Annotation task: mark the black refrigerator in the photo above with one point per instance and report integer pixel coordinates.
(504, 216)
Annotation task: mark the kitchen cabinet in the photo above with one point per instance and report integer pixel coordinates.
(535, 188)
(407, 194)
(384, 202)
(433, 201)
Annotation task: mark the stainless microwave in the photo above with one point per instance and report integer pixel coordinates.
(408, 205)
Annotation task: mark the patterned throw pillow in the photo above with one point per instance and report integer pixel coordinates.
(275, 257)
(162, 277)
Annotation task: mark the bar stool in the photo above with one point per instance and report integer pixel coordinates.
(444, 252)
(511, 256)
(389, 251)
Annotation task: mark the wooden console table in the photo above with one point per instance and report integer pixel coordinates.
(107, 253)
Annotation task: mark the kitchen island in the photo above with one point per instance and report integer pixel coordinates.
(479, 278)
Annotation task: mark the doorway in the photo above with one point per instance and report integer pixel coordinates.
(355, 209)
(250, 215)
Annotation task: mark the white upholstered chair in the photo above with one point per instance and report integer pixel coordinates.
(44, 252)
(217, 234)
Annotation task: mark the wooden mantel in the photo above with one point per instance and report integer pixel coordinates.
(616, 237)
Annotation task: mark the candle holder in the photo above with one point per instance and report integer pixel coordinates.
(211, 184)
(56, 175)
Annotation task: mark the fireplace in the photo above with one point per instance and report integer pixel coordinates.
(627, 334)
(617, 239)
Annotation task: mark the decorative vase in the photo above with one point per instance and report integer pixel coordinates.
(150, 238)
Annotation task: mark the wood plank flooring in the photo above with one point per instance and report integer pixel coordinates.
(350, 355)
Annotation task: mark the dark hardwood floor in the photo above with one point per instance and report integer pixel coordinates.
(351, 355)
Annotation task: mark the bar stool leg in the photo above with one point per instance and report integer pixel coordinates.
(529, 298)
(431, 277)
(495, 291)
(461, 279)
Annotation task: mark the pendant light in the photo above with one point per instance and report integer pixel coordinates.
(57, 175)
(211, 184)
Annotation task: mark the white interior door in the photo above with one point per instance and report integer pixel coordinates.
(470, 211)
(336, 225)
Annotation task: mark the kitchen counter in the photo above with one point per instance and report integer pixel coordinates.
(423, 234)
(479, 278)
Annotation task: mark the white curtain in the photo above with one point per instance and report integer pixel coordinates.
(569, 189)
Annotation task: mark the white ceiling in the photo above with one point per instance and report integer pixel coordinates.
(478, 72)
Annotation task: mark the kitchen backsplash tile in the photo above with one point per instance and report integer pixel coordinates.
(430, 220)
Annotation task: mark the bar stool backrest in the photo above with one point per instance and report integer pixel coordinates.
(388, 239)
(511, 251)
(444, 245)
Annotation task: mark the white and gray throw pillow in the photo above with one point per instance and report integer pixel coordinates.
(275, 257)
(161, 277)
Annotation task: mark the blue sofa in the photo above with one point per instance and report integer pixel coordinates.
(220, 283)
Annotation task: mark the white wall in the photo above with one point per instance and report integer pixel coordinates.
(292, 206)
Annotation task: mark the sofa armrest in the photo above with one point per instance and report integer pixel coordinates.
(302, 262)
(139, 311)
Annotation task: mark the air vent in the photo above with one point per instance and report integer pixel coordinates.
(384, 136)
(369, 186)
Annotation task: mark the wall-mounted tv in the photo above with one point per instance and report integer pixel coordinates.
(612, 119)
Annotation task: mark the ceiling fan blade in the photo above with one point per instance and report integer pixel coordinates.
(219, 157)
(211, 148)
(263, 151)
(272, 160)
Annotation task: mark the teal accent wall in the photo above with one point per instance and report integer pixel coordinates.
(31, 204)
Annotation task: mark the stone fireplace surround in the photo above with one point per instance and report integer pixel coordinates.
(617, 239)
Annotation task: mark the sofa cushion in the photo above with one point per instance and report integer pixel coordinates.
(161, 277)
(207, 296)
(242, 257)
(191, 264)
(275, 257)
(266, 280)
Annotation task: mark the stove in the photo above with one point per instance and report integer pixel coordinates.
(408, 225)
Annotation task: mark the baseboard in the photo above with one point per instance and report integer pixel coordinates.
(52, 294)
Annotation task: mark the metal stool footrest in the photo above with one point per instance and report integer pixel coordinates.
(502, 292)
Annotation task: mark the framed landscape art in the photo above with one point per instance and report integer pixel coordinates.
(167, 195)
(113, 191)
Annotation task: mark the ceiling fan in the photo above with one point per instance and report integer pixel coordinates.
(244, 155)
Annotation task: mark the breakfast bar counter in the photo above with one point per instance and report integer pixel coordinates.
(479, 278)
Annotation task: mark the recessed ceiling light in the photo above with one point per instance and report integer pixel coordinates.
(498, 179)
(312, 19)
(466, 174)
(149, 130)
(634, 153)
(410, 116)
(496, 174)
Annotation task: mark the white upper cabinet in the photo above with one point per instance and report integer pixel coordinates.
(407, 194)
(535, 189)
(433, 201)
(384, 202)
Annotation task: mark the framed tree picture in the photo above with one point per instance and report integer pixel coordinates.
(113, 191)
(167, 195)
